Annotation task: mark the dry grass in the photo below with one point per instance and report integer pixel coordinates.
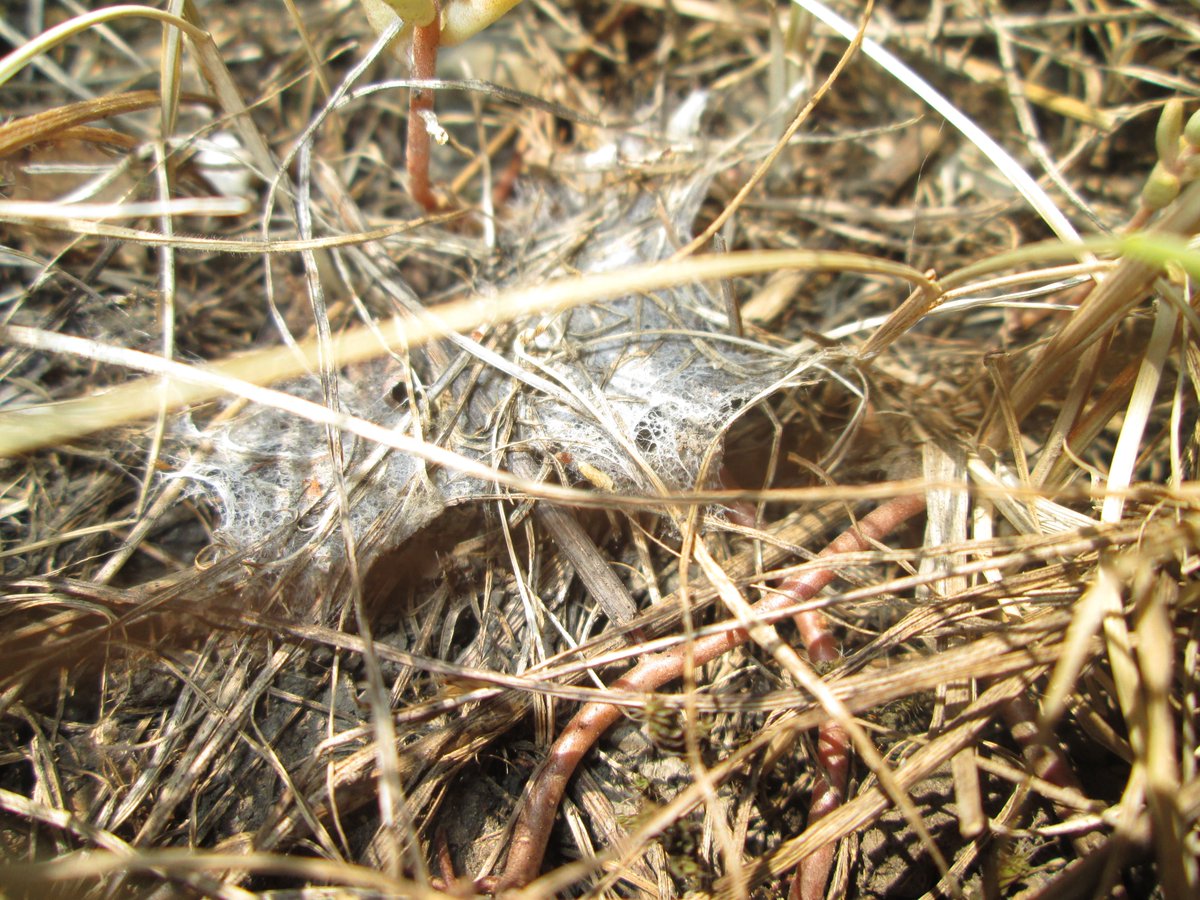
(285, 602)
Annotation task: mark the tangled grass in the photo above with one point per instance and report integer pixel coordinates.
(353, 549)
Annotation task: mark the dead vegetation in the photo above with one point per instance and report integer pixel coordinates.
(311, 591)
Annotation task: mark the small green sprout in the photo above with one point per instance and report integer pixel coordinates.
(1191, 131)
(1168, 132)
(1161, 187)
(1178, 147)
(429, 24)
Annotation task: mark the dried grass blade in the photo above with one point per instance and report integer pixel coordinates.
(963, 733)
(1001, 158)
(768, 638)
(1156, 655)
(65, 421)
(15, 61)
(1086, 619)
(1129, 442)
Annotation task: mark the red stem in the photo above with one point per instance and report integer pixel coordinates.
(829, 792)
(425, 41)
(545, 791)
(833, 755)
(833, 743)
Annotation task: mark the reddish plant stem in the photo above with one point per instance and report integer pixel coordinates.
(425, 41)
(1047, 761)
(833, 743)
(542, 797)
(833, 756)
(829, 792)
